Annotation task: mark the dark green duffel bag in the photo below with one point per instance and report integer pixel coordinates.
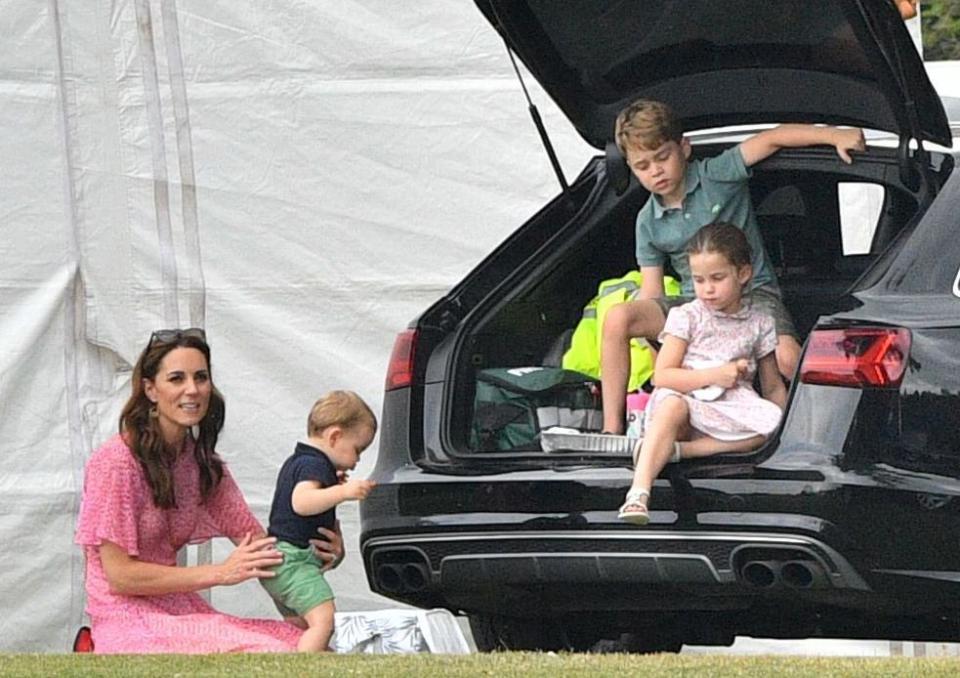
(513, 404)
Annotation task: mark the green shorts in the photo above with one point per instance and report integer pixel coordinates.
(299, 584)
(763, 298)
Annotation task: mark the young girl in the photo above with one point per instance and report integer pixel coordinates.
(711, 349)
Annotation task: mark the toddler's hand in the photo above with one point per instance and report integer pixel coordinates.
(847, 140)
(358, 489)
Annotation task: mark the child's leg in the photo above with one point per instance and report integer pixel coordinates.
(320, 627)
(788, 342)
(299, 622)
(788, 355)
(706, 446)
(622, 322)
(671, 417)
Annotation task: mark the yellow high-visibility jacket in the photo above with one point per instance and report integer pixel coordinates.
(584, 352)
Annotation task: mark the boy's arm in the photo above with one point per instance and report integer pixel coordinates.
(309, 498)
(651, 287)
(763, 145)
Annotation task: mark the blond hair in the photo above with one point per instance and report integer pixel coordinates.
(646, 124)
(340, 408)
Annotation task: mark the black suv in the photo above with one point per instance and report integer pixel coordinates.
(846, 523)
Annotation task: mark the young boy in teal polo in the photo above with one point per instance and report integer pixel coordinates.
(684, 196)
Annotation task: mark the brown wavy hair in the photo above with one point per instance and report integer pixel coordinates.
(142, 432)
(722, 238)
(646, 124)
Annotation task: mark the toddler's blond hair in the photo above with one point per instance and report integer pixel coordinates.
(340, 408)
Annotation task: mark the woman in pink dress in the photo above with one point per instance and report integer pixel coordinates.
(158, 486)
(711, 349)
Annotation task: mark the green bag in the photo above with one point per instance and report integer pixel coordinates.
(512, 405)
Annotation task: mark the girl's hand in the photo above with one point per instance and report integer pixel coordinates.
(330, 550)
(358, 489)
(251, 558)
(728, 374)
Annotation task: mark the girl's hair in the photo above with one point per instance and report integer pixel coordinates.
(723, 238)
(141, 431)
(340, 408)
(646, 124)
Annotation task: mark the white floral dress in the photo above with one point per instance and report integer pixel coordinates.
(714, 337)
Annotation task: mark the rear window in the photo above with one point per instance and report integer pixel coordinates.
(805, 236)
(860, 205)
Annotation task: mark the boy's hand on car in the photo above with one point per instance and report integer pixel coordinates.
(358, 489)
(847, 140)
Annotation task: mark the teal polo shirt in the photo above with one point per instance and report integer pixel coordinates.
(716, 190)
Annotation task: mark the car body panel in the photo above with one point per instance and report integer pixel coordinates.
(844, 524)
(839, 61)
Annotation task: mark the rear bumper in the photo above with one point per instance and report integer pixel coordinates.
(554, 573)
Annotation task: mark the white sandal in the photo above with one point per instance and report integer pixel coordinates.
(634, 509)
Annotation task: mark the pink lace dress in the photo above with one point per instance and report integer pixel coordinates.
(712, 338)
(117, 507)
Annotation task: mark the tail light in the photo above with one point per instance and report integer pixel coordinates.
(858, 357)
(400, 369)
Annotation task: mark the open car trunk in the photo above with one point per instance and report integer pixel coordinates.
(846, 62)
(827, 227)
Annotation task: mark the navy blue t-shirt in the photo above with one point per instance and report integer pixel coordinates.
(306, 463)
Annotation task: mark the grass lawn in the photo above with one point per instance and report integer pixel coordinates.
(501, 664)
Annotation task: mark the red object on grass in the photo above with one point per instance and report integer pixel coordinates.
(84, 640)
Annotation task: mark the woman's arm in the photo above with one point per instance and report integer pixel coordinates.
(128, 575)
(669, 374)
(770, 382)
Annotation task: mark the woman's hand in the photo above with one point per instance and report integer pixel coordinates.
(330, 550)
(251, 558)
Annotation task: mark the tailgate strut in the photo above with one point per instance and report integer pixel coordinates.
(538, 122)
(534, 113)
(914, 175)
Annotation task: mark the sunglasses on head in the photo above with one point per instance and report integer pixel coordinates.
(167, 336)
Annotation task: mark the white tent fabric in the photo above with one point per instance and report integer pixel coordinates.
(300, 178)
